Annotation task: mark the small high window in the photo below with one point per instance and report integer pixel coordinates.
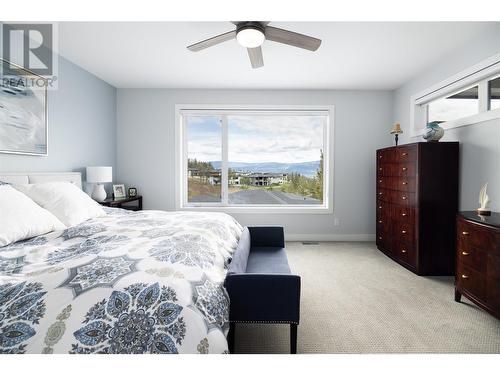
(470, 97)
(494, 93)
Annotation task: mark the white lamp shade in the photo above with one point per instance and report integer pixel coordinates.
(97, 175)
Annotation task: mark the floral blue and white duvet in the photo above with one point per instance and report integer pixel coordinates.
(127, 282)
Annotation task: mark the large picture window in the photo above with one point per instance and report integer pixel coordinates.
(255, 158)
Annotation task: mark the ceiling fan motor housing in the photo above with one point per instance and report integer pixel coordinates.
(250, 25)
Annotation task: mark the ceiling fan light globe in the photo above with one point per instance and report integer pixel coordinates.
(250, 37)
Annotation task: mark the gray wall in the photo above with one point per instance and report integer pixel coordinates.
(82, 125)
(479, 143)
(146, 152)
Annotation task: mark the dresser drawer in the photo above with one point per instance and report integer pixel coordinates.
(472, 257)
(403, 198)
(407, 169)
(406, 184)
(405, 232)
(387, 169)
(384, 195)
(396, 183)
(384, 224)
(382, 206)
(398, 197)
(384, 240)
(405, 154)
(388, 155)
(471, 234)
(472, 281)
(404, 214)
(405, 252)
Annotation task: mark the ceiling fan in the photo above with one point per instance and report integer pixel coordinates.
(251, 35)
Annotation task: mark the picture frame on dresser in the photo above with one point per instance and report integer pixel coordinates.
(417, 200)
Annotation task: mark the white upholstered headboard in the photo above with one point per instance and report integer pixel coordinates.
(34, 177)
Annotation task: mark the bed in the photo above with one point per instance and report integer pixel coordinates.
(126, 282)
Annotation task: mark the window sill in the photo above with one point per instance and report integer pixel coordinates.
(470, 120)
(261, 209)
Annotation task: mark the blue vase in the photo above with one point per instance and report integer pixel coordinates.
(433, 132)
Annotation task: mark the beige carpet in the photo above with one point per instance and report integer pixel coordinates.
(356, 300)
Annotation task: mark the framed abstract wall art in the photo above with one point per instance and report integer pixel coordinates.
(23, 111)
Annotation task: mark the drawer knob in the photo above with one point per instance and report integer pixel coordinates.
(465, 277)
(403, 214)
(380, 207)
(404, 168)
(405, 153)
(380, 169)
(380, 193)
(403, 251)
(465, 233)
(405, 183)
(403, 231)
(404, 197)
(465, 253)
(380, 221)
(380, 238)
(380, 157)
(380, 181)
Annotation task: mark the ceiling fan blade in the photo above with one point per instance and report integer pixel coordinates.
(291, 38)
(212, 41)
(256, 58)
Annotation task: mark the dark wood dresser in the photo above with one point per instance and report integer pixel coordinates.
(417, 203)
(478, 260)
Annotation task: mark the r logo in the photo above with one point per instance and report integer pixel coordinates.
(29, 45)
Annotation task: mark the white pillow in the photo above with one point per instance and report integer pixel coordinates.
(21, 218)
(64, 200)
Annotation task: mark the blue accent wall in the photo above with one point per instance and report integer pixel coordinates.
(82, 125)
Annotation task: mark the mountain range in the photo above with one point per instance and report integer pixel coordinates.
(308, 168)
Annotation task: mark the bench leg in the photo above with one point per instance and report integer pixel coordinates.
(293, 338)
(230, 337)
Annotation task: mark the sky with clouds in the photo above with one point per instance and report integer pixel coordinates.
(258, 138)
(448, 109)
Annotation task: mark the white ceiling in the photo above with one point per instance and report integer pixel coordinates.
(352, 56)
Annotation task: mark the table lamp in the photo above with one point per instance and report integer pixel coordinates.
(396, 130)
(99, 176)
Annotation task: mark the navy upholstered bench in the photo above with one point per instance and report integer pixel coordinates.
(260, 285)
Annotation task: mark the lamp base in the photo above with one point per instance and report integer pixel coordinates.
(99, 194)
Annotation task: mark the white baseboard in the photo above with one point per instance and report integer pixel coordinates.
(330, 237)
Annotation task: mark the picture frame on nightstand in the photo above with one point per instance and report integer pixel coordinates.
(132, 192)
(119, 191)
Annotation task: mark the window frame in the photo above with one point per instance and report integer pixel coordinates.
(477, 75)
(181, 185)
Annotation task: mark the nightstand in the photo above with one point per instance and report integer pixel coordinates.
(119, 203)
